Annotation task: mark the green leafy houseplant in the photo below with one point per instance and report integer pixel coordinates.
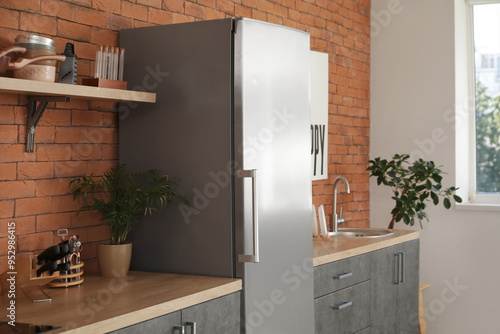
(413, 184)
(121, 197)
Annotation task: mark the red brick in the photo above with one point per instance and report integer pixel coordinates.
(10, 18)
(209, 3)
(109, 6)
(24, 225)
(104, 37)
(58, 9)
(117, 22)
(52, 187)
(194, 10)
(98, 233)
(8, 133)
(181, 18)
(25, 5)
(6, 114)
(9, 171)
(74, 104)
(14, 152)
(53, 152)
(73, 31)
(33, 242)
(43, 134)
(109, 135)
(110, 119)
(38, 23)
(91, 18)
(97, 168)
(150, 3)
(6, 209)
(141, 24)
(8, 99)
(109, 152)
(242, 11)
(174, 5)
(85, 218)
(86, 3)
(226, 6)
(213, 14)
(85, 117)
(134, 11)
(52, 222)
(70, 135)
(17, 189)
(32, 206)
(55, 116)
(64, 204)
(34, 170)
(87, 152)
(159, 16)
(69, 168)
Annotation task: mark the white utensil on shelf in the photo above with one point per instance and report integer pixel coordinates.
(322, 221)
(315, 222)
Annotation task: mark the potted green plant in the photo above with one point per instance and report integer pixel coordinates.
(121, 197)
(412, 184)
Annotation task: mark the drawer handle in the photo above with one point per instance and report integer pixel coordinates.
(192, 325)
(181, 329)
(342, 306)
(342, 276)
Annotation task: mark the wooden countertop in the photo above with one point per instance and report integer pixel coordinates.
(326, 251)
(102, 304)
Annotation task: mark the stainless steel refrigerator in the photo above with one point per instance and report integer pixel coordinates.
(231, 122)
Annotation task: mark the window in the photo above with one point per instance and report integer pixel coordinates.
(485, 128)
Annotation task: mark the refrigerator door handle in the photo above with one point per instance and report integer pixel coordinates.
(255, 219)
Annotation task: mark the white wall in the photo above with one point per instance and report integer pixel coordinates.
(413, 95)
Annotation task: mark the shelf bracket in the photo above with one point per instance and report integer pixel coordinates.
(35, 112)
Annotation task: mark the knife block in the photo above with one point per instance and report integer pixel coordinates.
(24, 275)
(74, 277)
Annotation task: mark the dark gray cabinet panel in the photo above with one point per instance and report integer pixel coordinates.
(343, 312)
(221, 315)
(337, 275)
(394, 289)
(407, 303)
(218, 316)
(364, 331)
(161, 325)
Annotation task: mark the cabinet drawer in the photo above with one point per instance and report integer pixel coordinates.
(343, 312)
(338, 275)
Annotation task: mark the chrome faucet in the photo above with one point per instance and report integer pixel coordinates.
(337, 220)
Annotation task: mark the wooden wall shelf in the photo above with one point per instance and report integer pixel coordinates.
(32, 87)
(41, 93)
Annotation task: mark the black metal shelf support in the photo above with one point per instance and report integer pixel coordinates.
(35, 112)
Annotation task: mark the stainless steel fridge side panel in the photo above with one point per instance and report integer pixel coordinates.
(187, 134)
(272, 117)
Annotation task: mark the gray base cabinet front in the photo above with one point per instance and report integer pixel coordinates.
(394, 289)
(373, 293)
(343, 312)
(220, 315)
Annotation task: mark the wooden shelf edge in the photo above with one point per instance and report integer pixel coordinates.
(32, 87)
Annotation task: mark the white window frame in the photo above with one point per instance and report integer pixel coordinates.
(485, 201)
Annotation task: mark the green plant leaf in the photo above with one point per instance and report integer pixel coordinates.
(457, 198)
(446, 203)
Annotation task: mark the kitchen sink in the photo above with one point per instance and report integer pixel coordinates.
(361, 232)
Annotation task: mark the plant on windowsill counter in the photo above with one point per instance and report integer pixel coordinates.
(121, 197)
(412, 184)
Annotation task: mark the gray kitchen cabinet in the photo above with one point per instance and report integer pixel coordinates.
(394, 289)
(220, 315)
(346, 311)
(342, 296)
(378, 292)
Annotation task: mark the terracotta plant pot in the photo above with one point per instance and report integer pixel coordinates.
(114, 260)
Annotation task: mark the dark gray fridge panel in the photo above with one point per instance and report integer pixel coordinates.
(187, 134)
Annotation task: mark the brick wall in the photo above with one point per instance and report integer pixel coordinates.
(81, 137)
